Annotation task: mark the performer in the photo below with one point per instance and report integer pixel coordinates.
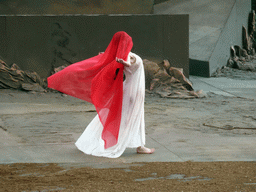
(119, 123)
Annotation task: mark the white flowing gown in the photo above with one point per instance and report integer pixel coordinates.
(132, 126)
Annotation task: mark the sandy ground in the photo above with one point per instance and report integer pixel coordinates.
(186, 176)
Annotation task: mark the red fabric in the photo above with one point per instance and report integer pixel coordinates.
(96, 80)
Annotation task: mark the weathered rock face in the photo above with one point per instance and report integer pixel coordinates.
(168, 81)
(13, 77)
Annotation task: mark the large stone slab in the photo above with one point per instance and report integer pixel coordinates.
(214, 26)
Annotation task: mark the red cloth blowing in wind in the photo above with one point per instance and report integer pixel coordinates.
(99, 80)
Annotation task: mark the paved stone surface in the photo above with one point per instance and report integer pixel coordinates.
(226, 86)
(44, 129)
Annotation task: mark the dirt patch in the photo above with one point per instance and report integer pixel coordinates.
(182, 176)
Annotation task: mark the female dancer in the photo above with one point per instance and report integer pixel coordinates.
(119, 123)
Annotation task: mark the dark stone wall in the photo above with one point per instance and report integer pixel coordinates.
(253, 5)
(159, 1)
(199, 68)
(76, 6)
(40, 43)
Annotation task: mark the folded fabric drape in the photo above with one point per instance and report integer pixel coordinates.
(99, 80)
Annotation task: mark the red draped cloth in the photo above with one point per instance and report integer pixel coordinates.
(99, 80)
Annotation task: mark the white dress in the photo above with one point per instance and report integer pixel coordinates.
(132, 126)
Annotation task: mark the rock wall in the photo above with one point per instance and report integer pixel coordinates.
(42, 43)
(159, 1)
(76, 7)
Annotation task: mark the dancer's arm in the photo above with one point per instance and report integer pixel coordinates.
(125, 63)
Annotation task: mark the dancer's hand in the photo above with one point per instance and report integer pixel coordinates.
(125, 63)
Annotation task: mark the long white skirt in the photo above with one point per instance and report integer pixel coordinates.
(132, 127)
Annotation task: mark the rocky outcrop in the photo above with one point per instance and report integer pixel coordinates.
(242, 58)
(168, 81)
(15, 78)
(161, 79)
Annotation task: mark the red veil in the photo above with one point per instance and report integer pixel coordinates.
(99, 80)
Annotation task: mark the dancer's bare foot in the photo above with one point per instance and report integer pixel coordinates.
(144, 150)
